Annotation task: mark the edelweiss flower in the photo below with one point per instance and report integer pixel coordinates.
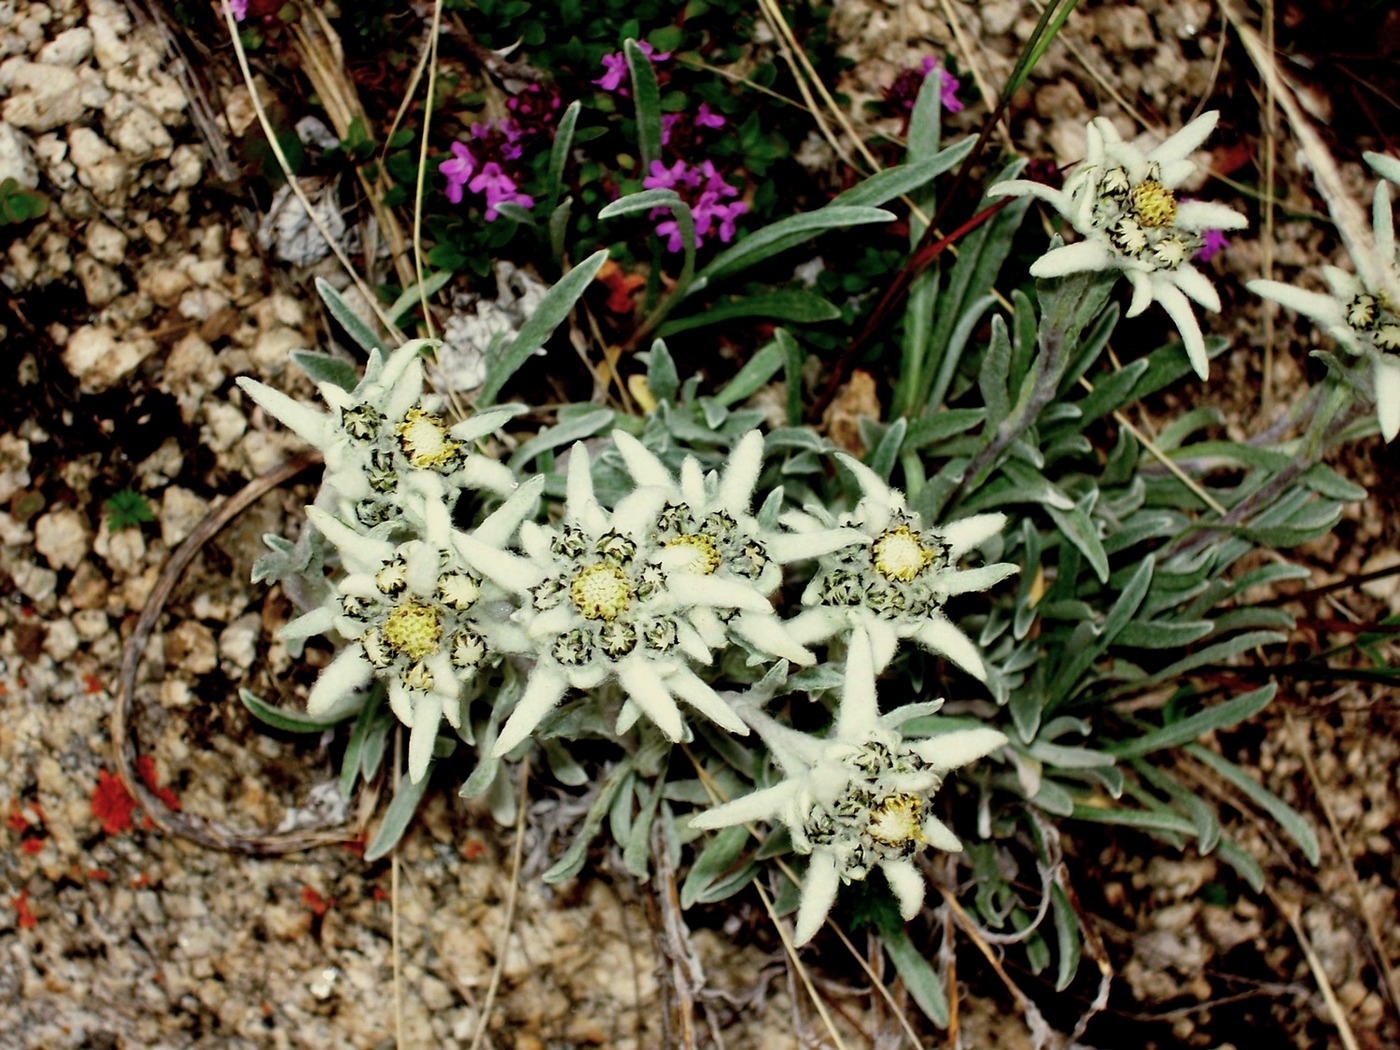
(602, 600)
(415, 615)
(1123, 202)
(386, 447)
(1362, 319)
(891, 583)
(705, 529)
(859, 799)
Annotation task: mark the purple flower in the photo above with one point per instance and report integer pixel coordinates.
(615, 67)
(1215, 242)
(706, 118)
(704, 189)
(238, 8)
(668, 122)
(499, 188)
(947, 85)
(458, 170)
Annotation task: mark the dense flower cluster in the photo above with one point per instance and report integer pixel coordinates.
(615, 72)
(710, 198)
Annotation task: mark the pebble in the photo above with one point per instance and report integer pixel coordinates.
(42, 97)
(106, 244)
(14, 465)
(62, 640)
(99, 167)
(238, 643)
(17, 157)
(63, 537)
(180, 511)
(99, 358)
(101, 284)
(71, 48)
(124, 550)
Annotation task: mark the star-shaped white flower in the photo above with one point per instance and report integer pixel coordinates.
(416, 616)
(1362, 319)
(1123, 202)
(892, 580)
(602, 600)
(386, 445)
(705, 529)
(860, 798)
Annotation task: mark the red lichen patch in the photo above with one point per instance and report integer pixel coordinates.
(146, 769)
(112, 805)
(27, 919)
(91, 684)
(99, 875)
(379, 893)
(319, 905)
(474, 849)
(357, 844)
(32, 844)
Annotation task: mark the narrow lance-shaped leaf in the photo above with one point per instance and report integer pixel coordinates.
(552, 309)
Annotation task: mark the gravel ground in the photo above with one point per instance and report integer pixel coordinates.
(130, 308)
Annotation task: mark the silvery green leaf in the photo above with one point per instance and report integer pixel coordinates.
(714, 862)
(662, 379)
(1080, 531)
(1245, 865)
(784, 234)
(755, 374)
(1164, 634)
(1193, 727)
(648, 103)
(885, 186)
(571, 862)
(347, 318)
(556, 305)
(795, 304)
(325, 368)
(568, 430)
(1201, 812)
(415, 295)
(559, 155)
(396, 818)
(924, 984)
(1287, 817)
(287, 721)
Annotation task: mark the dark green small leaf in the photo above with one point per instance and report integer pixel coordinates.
(288, 721)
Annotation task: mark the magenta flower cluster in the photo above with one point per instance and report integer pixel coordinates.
(704, 189)
(490, 181)
(615, 67)
(903, 92)
(1213, 243)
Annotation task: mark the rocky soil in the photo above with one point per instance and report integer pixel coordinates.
(129, 310)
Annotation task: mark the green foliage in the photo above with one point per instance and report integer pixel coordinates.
(127, 509)
(19, 205)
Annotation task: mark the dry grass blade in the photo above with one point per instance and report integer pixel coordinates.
(1266, 263)
(786, 936)
(517, 854)
(276, 147)
(419, 272)
(1289, 910)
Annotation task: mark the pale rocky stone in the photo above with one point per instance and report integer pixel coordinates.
(17, 157)
(98, 358)
(91, 624)
(106, 244)
(72, 48)
(200, 304)
(35, 582)
(99, 166)
(135, 130)
(109, 23)
(62, 640)
(63, 537)
(273, 349)
(238, 642)
(101, 284)
(186, 168)
(180, 511)
(223, 425)
(190, 648)
(14, 465)
(164, 284)
(123, 550)
(43, 98)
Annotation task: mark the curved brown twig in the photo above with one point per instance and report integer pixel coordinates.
(187, 825)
